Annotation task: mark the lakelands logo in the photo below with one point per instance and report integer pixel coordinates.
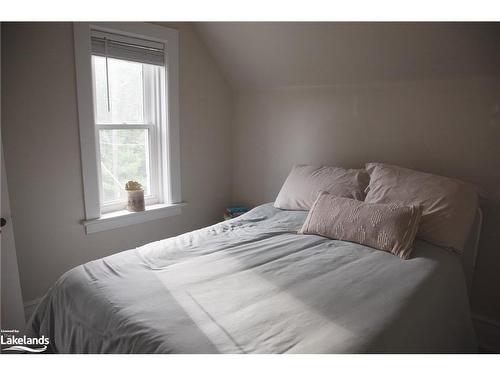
(12, 342)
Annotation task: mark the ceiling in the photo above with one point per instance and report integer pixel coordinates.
(278, 54)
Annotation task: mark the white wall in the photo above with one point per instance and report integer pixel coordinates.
(42, 152)
(279, 54)
(449, 127)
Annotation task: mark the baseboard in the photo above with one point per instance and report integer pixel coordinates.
(486, 320)
(488, 332)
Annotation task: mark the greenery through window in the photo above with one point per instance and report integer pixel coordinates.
(125, 106)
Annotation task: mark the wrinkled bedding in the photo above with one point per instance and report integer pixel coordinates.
(253, 285)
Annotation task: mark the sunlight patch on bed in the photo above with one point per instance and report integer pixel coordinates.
(242, 312)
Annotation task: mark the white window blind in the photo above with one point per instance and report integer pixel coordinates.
(127, 48)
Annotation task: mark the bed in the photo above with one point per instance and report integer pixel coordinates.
(253, 285)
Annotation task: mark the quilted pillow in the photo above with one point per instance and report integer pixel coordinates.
(389, 227)
(305, 182)
(449, 205)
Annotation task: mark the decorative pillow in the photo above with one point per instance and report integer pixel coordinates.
(305, 182)
(389, 227)
(449, 205)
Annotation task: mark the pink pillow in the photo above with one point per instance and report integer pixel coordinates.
(449, 205)
(305, 182)
(389, 227)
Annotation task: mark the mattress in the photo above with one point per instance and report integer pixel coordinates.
(253, 285)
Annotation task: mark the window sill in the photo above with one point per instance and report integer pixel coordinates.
(125, 218)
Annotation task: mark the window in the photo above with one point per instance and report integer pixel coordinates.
(128, 112)
(127, 99)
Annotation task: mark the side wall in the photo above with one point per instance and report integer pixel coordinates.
(449, 127)
(42, 152)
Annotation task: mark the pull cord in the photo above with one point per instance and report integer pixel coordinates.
(107, 73)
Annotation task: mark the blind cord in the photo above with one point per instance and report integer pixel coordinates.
(107, 72)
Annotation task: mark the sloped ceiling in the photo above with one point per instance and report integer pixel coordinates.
(263, 55)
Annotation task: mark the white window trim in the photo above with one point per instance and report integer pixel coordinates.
(123, 218)
(95, 220)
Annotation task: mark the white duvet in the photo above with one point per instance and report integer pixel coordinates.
(253, 285)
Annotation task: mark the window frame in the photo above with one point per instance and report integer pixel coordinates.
(169, 174)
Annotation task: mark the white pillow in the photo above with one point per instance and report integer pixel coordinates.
(304, 183)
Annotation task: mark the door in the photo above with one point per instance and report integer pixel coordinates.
(12, 311)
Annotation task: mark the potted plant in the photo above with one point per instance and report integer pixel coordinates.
(135, 196)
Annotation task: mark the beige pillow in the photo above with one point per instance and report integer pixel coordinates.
(389, 227)
(449, 205)
(305, 182)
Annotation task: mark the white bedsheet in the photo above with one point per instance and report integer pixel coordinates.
(252, 285)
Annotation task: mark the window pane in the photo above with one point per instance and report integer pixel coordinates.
(124, 157)
(126, 91)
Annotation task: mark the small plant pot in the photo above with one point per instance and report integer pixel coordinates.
(135, 200)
